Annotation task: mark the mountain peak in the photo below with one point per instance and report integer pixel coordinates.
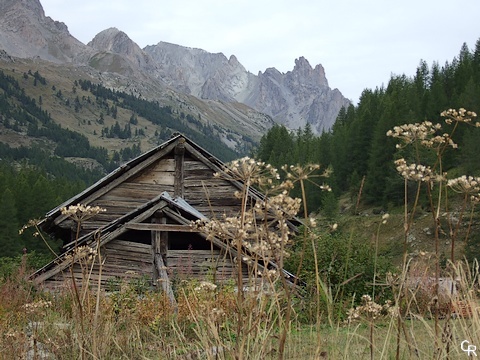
(118, 53)
(233, 60)
(111, 39)
(305, 74)
(26, 32)
(293, 98)
(302, 63)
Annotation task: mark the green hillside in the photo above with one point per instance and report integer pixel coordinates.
(60, 131)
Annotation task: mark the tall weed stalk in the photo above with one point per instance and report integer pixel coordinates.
(260, 236)
(425, 138)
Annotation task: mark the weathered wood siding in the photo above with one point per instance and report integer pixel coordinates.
(134, 192)
(212, 265)
(122, 260)
(211, 196)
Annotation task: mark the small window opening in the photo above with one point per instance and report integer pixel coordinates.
(188, 241)
(141, 237)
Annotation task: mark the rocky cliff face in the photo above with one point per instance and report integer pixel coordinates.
(298, 97)
(295, 98)
(116, 52)
(26, 32)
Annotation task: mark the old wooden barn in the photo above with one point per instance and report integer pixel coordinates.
(146, 229)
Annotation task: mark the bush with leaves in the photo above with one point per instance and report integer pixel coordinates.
(346, 266)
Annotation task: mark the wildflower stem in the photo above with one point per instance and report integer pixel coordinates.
(77, 295)
(97, 301)
(45, 240)
(436, 219)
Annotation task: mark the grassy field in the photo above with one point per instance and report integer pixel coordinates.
(132, 325)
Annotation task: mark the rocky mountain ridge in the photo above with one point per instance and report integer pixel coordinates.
(26, 32)
(295, 98)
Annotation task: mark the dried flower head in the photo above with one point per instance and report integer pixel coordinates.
(467, 185)
(307, 172)
(31, 223)
(37, 306)
(410, 133)
(205, 286)
(270, 273)
(370, 310)
(416, 172)
(385, 218)
(461, 115)
(425, 133)
(251, 172)
(80, 212)
(82, 252)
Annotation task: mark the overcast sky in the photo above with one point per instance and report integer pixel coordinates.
(359, 43)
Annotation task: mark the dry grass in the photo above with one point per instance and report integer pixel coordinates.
(143, 326)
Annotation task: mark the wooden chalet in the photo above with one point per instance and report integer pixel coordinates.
(146, 229)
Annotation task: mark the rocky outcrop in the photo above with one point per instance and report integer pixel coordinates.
(294, 99)
(26, 32)
(116, 52)
(298, 97)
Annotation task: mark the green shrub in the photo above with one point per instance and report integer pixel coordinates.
(346, 267)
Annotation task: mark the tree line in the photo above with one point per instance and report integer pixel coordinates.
(26, 193)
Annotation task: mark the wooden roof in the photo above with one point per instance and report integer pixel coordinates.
(133, 167)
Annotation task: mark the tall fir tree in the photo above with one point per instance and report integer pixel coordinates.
(9, 238)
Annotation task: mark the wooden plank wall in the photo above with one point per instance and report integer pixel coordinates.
(201, 265)
(134, 192)
(211, 196)
(129, 260)
(122, 259)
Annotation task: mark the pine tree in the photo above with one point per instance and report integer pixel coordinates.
(9, 239)
(276, 147)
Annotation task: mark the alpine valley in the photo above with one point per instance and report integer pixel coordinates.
(101, 103)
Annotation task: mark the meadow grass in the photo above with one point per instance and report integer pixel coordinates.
(263, 315)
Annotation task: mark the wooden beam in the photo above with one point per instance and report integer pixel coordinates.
(155, 236)
(164, 280)
(159, 237)
(179, 165)
(55, 270)
(160, 227)
(164, 239)
(159, 247)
